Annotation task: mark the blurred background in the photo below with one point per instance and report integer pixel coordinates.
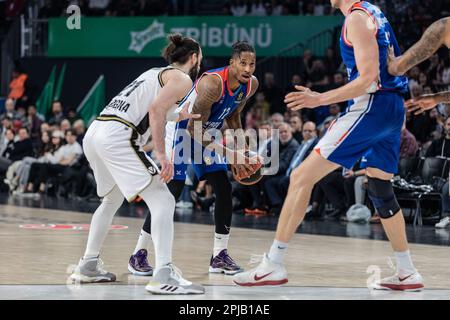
(58, 70)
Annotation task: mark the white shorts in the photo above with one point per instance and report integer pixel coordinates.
(116, 159)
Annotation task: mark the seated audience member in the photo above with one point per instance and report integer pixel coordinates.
(63, 158)
(17, 150)
(276, 187)
(441, 147)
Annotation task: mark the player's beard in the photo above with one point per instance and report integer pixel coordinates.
(193, 73)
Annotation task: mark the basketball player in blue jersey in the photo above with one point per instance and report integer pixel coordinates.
(370, 127)
(218, 96)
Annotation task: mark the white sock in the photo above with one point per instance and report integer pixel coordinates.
(277, 251)
(162, 208)
(101, 220)
(220, 242)
(143, 241)
(405, 266)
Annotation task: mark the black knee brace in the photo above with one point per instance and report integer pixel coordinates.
(381, 193)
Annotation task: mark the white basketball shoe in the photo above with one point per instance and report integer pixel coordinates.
(267, 273)
(413, 282)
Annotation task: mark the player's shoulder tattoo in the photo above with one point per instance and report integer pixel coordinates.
(209, 90)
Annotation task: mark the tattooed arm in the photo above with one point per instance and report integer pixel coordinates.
(209, 90)
(427, 102)
(435, 36)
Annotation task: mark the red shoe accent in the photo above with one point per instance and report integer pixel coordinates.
(402, 287)
(262, 283)
(249, 212)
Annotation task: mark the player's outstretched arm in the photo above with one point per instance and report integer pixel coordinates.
(177, 85)
(435, 36)
(427, 102)
(361, 32)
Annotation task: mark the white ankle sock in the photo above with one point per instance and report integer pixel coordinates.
(143, 241)
(277, 251)
(405, 266)
(220, 242)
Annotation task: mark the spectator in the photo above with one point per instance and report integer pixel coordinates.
(18, 87)
(258, 8)
(72, 115)
(63, 158)
(57, 114)
(273, 94)
(287, 148)
(98, 7)
(441, 147)
(19, 179)
(277, 186)
(34, 125)
(276, 120)
(238, 8)
(408, 144)
(16, 150)
(296, 80)
(80, 130)
(297, 125)
(10, 111)
(6, 143)
(65, 125)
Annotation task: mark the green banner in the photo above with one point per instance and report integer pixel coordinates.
(93, 103)
(146, 36)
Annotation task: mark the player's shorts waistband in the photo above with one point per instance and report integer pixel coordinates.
(106, 117)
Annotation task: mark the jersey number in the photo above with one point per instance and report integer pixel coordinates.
(130, 88)
(224, 113)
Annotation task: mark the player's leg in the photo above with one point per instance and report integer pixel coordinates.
(271, 271)
(343, 144)
(90, 268)
(138, 263)
(167, 279)
(381, 193)
(221, 262)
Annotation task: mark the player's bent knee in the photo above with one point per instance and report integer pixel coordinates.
(382, 195)
(114, 197)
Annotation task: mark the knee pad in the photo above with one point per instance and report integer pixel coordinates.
(381, 193)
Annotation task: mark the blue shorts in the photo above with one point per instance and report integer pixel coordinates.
(370, 128)
(186, 150)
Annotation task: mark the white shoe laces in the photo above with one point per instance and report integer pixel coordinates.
(176, 273)
(100, 266)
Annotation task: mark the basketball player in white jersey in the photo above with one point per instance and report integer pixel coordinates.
(113, 146)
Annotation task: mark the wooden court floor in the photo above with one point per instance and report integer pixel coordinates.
(45, 257)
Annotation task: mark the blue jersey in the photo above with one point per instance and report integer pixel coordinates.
(385, 38)
(229, 100)
(220, 110)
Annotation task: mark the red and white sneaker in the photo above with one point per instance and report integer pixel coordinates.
(267, 273)
(413, 282)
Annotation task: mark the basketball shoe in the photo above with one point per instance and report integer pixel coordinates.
(413, 282)
(267, 273)
(138, 264)
(169, 280)
(91, 270)
(223, 263)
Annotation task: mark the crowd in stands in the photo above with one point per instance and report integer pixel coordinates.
(39, 156)
(45, 156)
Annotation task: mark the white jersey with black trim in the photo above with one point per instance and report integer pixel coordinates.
(133, 102)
